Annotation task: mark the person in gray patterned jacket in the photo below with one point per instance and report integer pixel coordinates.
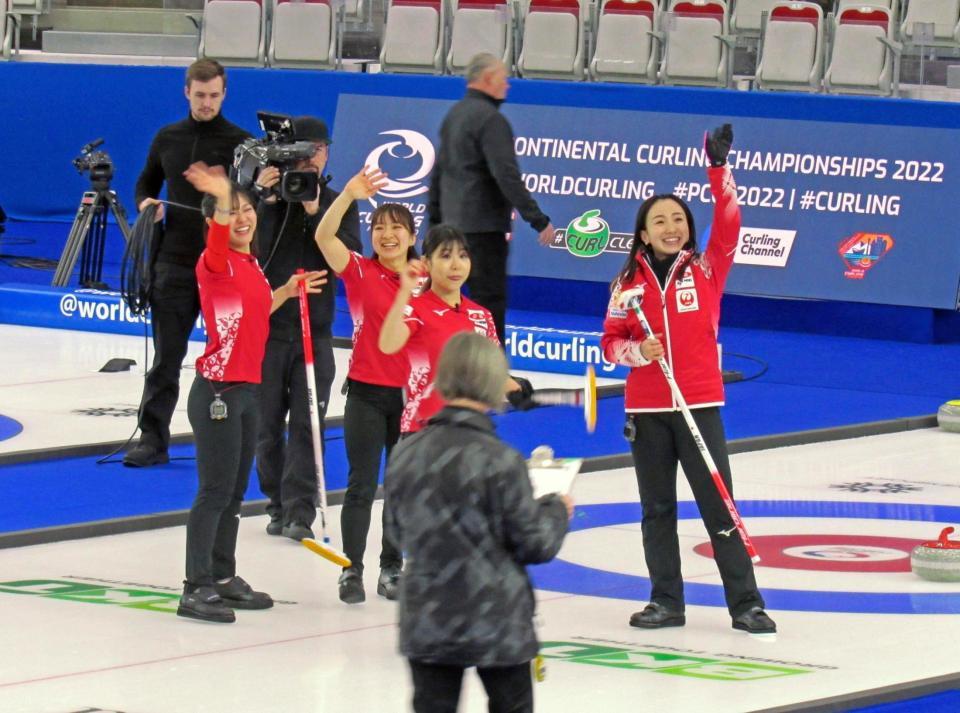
(460, 506)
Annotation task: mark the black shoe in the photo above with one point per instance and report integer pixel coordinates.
(351, 586)
(657, 616)
(238, 594)
(144, 455)
(205, 604)
(388, 583)
(275, 526)
(755, 621)
(297, 531)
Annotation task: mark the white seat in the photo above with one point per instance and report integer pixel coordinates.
(696, 44)
(553, 46)
(747, 15)
(413, 37)
(232, 32)
(864, 59)
(944, 14)
(14, 12)
(303, 34)
(627, 49)
(480, 26)
(792, 55)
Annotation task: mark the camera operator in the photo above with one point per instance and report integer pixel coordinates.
(175, 303)
(286, 469)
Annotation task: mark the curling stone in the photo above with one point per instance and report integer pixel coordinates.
(948, 416)
(938, 560)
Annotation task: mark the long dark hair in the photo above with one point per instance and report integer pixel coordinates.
(395, 213)
(439, 237)
(629, 269)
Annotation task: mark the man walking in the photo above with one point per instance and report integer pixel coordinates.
(476, 183)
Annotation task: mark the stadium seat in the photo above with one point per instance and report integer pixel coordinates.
(747, 17)
(944, 14)
(553, 40)
(480, 26)
(232, 32)
(864, 60)
(303, 34)
(627, 46)
(14, 12)
(696, 44)
(791, 57)
(413, 37)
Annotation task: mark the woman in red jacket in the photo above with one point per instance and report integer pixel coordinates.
(236, 302)
(681, 299)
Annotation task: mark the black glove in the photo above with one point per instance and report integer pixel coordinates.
(718, 144)
(521, 399)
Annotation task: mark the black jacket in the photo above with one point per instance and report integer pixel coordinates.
(295, 248)
(476, 182)
(174, 148)
(460, 505)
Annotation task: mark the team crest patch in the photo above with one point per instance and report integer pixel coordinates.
(687, 300)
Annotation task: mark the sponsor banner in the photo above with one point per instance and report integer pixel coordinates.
(824, 201)
(559, 351)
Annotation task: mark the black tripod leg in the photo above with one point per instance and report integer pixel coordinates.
(75, 240)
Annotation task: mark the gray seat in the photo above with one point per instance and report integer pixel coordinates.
(413, 37)
(696, 44)
(944, 14)
(864, 60)
(792, 54)
(232, 32)
(553, 46)
(14, 12)
(303, 34)
(627, 46)
(480, 26)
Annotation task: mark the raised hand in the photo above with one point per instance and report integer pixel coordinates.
(412, 275)
(366, 183)
(718, 143)
(209, 179)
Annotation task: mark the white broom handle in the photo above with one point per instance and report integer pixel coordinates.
(698, 439)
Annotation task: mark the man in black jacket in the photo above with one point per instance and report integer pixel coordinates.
(476, 183)
(175, 303)
(285, 236)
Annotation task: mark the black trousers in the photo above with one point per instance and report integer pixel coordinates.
(436, 688)
(488, 274)
(174, 306)
(285, 464)
(224, 457)
(662, 441)
(371, 423)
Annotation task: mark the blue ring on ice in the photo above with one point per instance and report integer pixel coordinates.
(9, 427)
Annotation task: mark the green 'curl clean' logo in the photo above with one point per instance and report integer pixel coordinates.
(587, 236)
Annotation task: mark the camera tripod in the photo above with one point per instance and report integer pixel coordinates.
(91, 220)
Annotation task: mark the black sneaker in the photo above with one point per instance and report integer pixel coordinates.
(297, 531)
(657, 616)
(238, 594)
(755, 621)
(144, 455)
(351, 586)
(275, 526)
(205, 604)
(388, 583)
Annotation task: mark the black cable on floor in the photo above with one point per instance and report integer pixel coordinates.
(763, 365)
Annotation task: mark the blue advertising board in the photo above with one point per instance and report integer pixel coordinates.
(837, 211)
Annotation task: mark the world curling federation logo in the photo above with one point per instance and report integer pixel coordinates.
(589, 235)
(411, 155)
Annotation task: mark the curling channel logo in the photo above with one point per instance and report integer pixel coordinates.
(861, 251)
(589, 235)
(411, 155)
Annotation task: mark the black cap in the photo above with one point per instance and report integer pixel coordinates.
(310, 128)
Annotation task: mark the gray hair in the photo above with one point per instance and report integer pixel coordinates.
(479, 65)
(472, 367)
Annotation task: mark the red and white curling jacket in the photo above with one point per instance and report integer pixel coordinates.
(685, 315)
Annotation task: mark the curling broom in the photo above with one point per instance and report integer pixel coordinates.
(322, 548)
(585, 397)
(631, 298)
